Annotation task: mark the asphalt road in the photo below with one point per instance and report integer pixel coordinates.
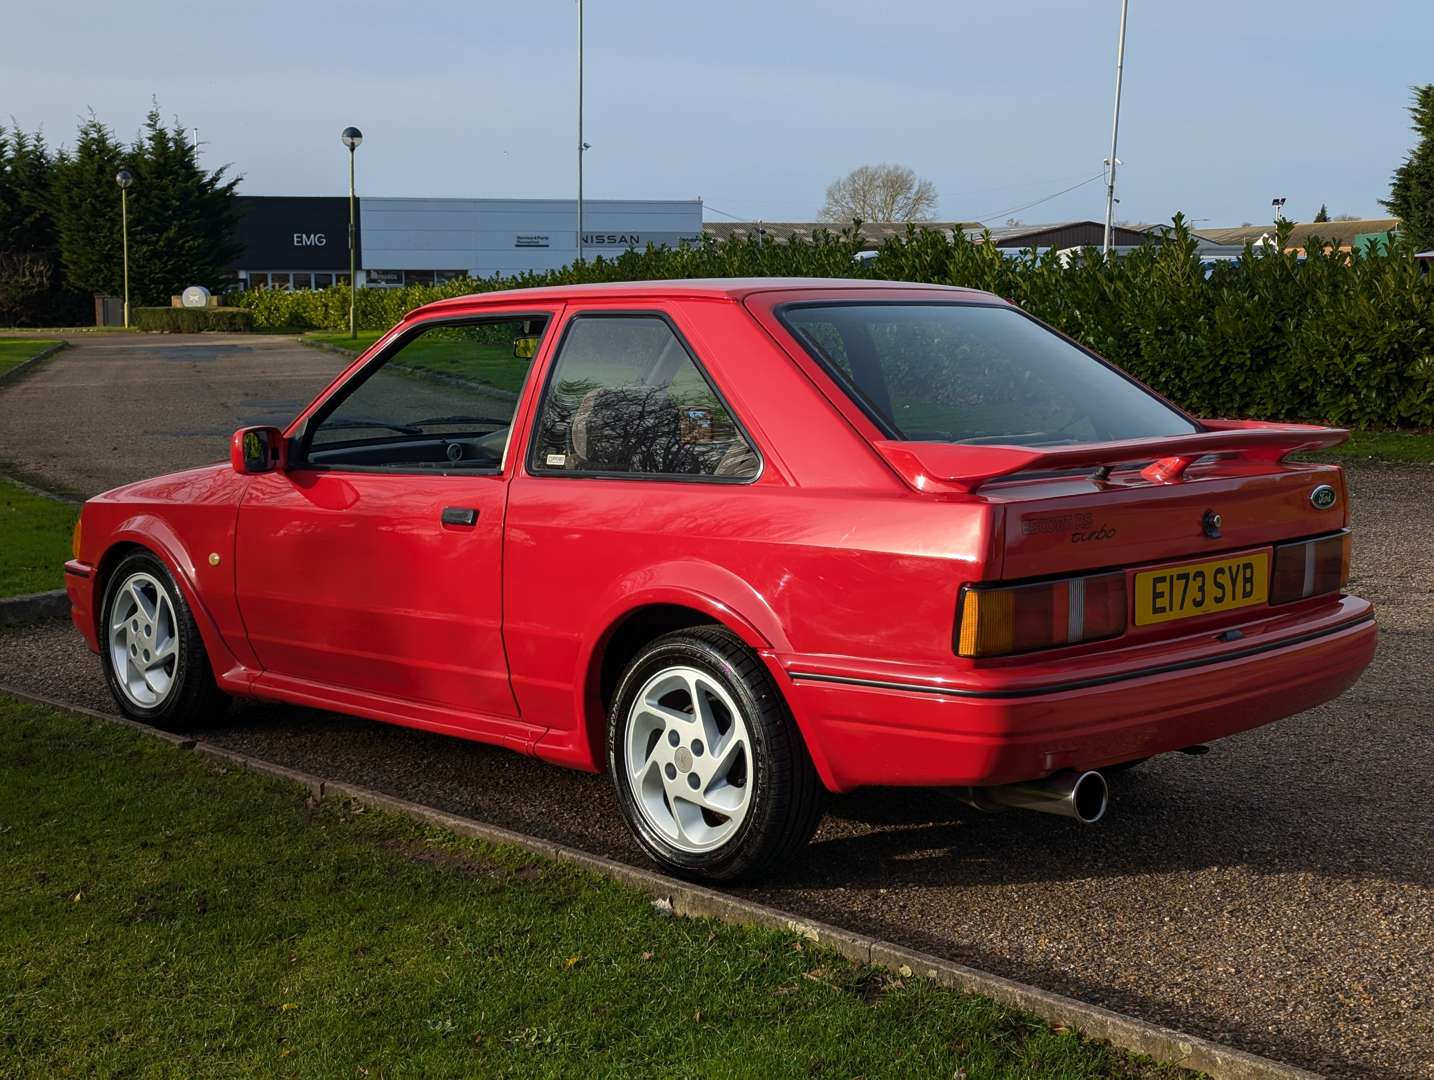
(119, 407)
(1276, 894)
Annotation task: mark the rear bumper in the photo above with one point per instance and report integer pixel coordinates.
(867, 732)
(80, 585)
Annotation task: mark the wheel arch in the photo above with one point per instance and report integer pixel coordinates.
(642, 616)
(154, 537)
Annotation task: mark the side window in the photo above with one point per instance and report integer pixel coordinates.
(626, 397)
(444, 400)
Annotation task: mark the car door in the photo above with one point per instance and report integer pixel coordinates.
(373, 561)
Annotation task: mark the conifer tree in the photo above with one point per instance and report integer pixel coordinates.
(182, 219)
(1411, 197)
(32, 290)
(86, 203)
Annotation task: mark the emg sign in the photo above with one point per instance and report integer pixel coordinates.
(296, 233)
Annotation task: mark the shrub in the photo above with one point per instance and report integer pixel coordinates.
(1327, 336)
(182, 320)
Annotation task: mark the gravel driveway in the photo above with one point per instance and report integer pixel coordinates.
(1276, 894)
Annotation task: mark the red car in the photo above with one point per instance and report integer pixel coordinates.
(740, 543)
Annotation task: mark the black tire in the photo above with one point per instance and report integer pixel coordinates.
(193, 698)
(785, 803)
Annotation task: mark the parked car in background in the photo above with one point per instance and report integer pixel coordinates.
(741, 543)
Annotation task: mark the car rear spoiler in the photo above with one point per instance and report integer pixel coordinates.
(962, 467)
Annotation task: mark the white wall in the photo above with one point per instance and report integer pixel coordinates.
(481, 236)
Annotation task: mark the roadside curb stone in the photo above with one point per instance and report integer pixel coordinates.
(30, 606)
(19, 370)
(680, 898)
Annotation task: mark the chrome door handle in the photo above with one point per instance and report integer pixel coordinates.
(459, 515)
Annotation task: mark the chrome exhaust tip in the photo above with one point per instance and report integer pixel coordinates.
(1083, 796)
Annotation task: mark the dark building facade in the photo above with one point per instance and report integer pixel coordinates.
(296, 242)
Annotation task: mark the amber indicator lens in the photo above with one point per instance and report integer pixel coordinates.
(1022, 618)
(1310, 568)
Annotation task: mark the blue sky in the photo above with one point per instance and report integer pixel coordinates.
(757, 106)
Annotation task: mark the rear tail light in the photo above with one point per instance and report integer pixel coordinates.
(1021, 618)
(1310, 568)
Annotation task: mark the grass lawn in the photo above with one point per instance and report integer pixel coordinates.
(36, 543)
(163, 914)
(340, 339)
(1390, 447)
(474, 361)
(15, 351)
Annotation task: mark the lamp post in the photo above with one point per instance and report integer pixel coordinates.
(1114, 131)
(351, 138)
(582, 146)
(124, 178)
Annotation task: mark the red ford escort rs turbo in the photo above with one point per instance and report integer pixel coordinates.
(740, 543)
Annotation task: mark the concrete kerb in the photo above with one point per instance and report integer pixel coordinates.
(21, 369)
(681, 898)
(339, 350)
(31, 606)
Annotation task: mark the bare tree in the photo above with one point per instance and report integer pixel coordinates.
(880, 193)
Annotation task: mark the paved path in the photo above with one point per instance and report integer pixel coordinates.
(1276, 894)
(118, 407)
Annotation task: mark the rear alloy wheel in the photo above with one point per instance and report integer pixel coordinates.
(153, 656)
(711, 774)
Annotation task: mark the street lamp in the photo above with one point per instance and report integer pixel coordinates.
(351, 138)
(124, 178)
(582, 146)
(1112, 161)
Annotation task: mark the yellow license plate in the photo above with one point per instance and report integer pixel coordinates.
(1201, 588)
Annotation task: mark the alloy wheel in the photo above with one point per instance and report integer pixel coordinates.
(143, 640)
(688, 757)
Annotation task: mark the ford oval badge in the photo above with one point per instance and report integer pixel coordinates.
(1324, 497)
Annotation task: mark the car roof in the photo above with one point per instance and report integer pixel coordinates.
(688, 288)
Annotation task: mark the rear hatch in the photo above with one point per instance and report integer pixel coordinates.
(1065, 525)
(1220, 500)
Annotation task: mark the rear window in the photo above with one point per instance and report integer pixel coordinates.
(975, 374)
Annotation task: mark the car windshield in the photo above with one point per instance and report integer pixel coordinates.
(973, 373)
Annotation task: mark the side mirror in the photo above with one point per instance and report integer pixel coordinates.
(256, 450)
(525, 348)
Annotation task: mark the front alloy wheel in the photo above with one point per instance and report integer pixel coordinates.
(153, 655)
(143, 640)
(711, 773)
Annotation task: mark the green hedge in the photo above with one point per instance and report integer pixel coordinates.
(1332, 337)
(181, 320)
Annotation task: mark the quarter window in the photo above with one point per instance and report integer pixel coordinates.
(627, 398)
